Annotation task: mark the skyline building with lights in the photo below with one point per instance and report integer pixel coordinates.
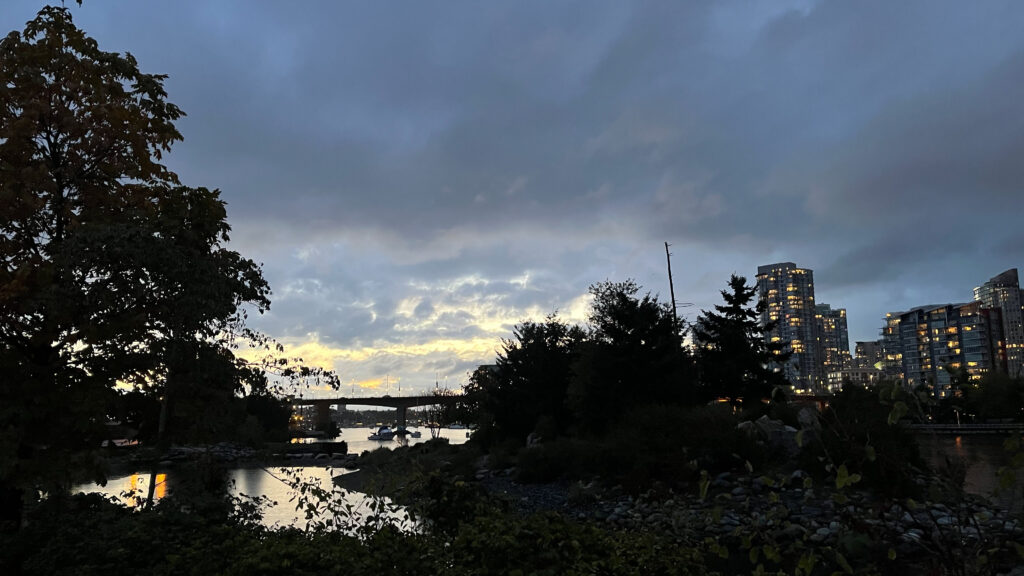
(868, 354)
(833, 341)
(937, 345)
(788, 295)
(1003, 292)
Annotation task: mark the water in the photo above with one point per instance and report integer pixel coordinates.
(358, 442)
(270, 481)
(981, 456)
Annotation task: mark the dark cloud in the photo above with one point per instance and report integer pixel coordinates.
(427, 172)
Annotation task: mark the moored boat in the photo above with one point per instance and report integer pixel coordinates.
(382, 434)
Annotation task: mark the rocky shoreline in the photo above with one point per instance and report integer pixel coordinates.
(789, 513)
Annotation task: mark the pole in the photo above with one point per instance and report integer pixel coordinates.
(671, 288)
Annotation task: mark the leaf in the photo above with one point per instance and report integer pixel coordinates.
(843, 563)
(806, 563)
(892, 554)
(899, 410)
(800, 439)
(869, 453)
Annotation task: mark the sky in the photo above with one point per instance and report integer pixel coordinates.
(418, 177)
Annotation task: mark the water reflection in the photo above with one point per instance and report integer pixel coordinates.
(133, 492)
(273, 483)
(978, 459)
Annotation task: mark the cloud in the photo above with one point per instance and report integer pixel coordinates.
(418, 180)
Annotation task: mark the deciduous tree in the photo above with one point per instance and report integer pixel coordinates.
(111, 270)
(634, 355)
(525, 391)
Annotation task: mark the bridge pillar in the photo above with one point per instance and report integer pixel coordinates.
(323, 415)
(401, 416)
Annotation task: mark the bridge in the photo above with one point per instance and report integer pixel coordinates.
(400, 403)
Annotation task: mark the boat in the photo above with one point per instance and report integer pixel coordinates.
(382, 434)
(402, 431)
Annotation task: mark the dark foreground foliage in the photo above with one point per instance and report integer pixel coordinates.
(92, 536)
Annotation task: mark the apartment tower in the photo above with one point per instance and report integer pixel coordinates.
(1003, 292)
(833, 340)
(788, 294)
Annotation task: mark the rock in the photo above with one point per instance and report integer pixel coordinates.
(793, 531)
(657, 518)
(913, 535)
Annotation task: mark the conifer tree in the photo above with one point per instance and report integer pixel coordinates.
(735, 360)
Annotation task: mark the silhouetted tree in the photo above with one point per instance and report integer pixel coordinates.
(734, 360)
(525, 390)
(110, 269)
(995, 396)
(634, 354)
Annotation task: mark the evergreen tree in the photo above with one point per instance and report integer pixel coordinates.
(735, 361)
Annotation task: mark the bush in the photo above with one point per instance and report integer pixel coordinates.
(561, 459)
(860, 430)
(653, 443)
(671, 444)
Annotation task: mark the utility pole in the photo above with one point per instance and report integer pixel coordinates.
(671, 288)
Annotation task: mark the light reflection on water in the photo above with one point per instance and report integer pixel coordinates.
(980, 456)
(249, 481)
(358, 442)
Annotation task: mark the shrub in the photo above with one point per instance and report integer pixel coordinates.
(860, 430)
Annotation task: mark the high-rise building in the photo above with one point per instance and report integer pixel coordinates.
(833, 341)
(892, 347)
(788, 294)
(934, 345)
(1003, 292)
(868, 354)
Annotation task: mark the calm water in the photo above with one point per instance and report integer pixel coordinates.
(358, 442)
(270, 481)
(981, 456)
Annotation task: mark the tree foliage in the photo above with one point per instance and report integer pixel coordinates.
(734, 359)
(554, 379)
(525, 391)
(111, 270)
(634, 355)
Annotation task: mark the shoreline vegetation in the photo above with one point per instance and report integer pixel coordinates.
(775, 518)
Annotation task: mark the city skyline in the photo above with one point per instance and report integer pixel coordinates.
(416, 181)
